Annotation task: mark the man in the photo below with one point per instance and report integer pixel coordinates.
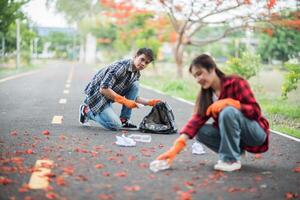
(117, 82)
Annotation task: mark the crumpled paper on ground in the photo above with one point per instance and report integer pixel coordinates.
(197, 148)
(125, 141)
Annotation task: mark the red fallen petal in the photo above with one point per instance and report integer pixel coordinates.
(258, 178)
(17, 160)
(51, 195)
(28, 198)
(290, 195)
(29, 151)
(258, 156)
(131, 158)
(13, 133)
(185, 196)
(24, 188)
(46, 132)
(144, 165)
(5, 181)
(132, 188)
(69, 170)
(105, 173)
(81, 178)
(60, 181)
(297, 169)
(121, 174)
(105, 196)
(62, 137)
(99, 166)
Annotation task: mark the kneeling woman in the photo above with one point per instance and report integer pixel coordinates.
(238, 122)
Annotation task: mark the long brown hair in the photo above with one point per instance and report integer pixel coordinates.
(204, 97)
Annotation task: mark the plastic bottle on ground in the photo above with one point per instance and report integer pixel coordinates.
(140, 138)
(158, 165)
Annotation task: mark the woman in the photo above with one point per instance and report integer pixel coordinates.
(238, 122)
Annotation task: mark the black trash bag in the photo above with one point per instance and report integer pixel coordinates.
(159, 120)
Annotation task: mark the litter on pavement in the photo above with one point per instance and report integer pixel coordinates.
(125, 141)
(140, 138)
(197, 148)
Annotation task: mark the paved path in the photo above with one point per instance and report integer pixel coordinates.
(88, 165)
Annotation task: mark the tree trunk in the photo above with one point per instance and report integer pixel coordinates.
(178, 53)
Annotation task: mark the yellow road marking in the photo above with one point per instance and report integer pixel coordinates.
(57, 119)
(38, 179)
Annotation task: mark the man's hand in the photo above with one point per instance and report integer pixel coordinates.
(178, 145)
(153, 102)
(126, 102)
(215, 108)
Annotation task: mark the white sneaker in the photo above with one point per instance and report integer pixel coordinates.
(228, 167)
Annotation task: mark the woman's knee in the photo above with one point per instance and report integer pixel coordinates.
(228, 112)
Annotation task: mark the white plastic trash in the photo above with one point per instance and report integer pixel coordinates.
(140, 138)
(125, 141)
(158, 165)
(197, 148)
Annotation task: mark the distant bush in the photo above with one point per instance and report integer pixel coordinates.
(290, 79)
(247, 66)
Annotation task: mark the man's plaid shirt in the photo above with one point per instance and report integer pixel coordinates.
(236, 88)
(117, 76)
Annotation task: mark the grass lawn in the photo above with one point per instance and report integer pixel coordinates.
(283, 115)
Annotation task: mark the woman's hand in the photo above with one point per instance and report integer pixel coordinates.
(215, 108)
(178, 145)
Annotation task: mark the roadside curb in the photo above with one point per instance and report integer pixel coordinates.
(190, 103)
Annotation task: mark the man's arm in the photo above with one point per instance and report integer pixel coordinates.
(109, 93)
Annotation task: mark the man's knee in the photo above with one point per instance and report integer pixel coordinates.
(113, 125)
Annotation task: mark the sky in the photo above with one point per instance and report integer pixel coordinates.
(37, 11)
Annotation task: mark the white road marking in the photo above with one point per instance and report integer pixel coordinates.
(63, 101)
(66, 91)
(68, 85)
(190, 103)
(57, 119)
(38, 179)
(17, 76)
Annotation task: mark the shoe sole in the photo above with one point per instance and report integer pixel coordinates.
(80, 114)
(129, 129)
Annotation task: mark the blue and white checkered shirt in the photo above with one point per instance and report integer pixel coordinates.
(117, 76)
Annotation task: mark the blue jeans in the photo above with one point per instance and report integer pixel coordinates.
(235, 131)
(108, 118)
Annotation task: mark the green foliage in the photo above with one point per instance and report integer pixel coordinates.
(291, 78)
(247, 66)
(282, 45)
(150, 43)
(61, 43)
(9, 12)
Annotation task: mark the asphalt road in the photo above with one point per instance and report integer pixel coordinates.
(87, 164)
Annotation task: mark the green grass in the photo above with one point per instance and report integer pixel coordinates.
(283, 115)
(285, 129)
(4, 72)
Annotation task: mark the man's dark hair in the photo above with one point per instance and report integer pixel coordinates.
(147, 52)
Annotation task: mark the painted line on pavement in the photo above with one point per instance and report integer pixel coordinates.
(190, 103)
(67, 85)
(17, 76)
(57, 119)
(63, 101)
(66, 91)
(38, 179)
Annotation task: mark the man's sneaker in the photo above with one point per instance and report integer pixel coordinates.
(228, 167)
(126, 124)
(82, 115)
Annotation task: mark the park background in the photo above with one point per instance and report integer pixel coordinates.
(258, 40)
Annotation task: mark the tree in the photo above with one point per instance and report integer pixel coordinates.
(191, 16)
(9, 12)
(281, 41)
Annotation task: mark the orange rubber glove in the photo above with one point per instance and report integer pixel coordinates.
(215, 108)
(169, 155)
(126, 102)
(153, 102)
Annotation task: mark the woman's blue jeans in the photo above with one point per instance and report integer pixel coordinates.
(108, 118)
(235, 130)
